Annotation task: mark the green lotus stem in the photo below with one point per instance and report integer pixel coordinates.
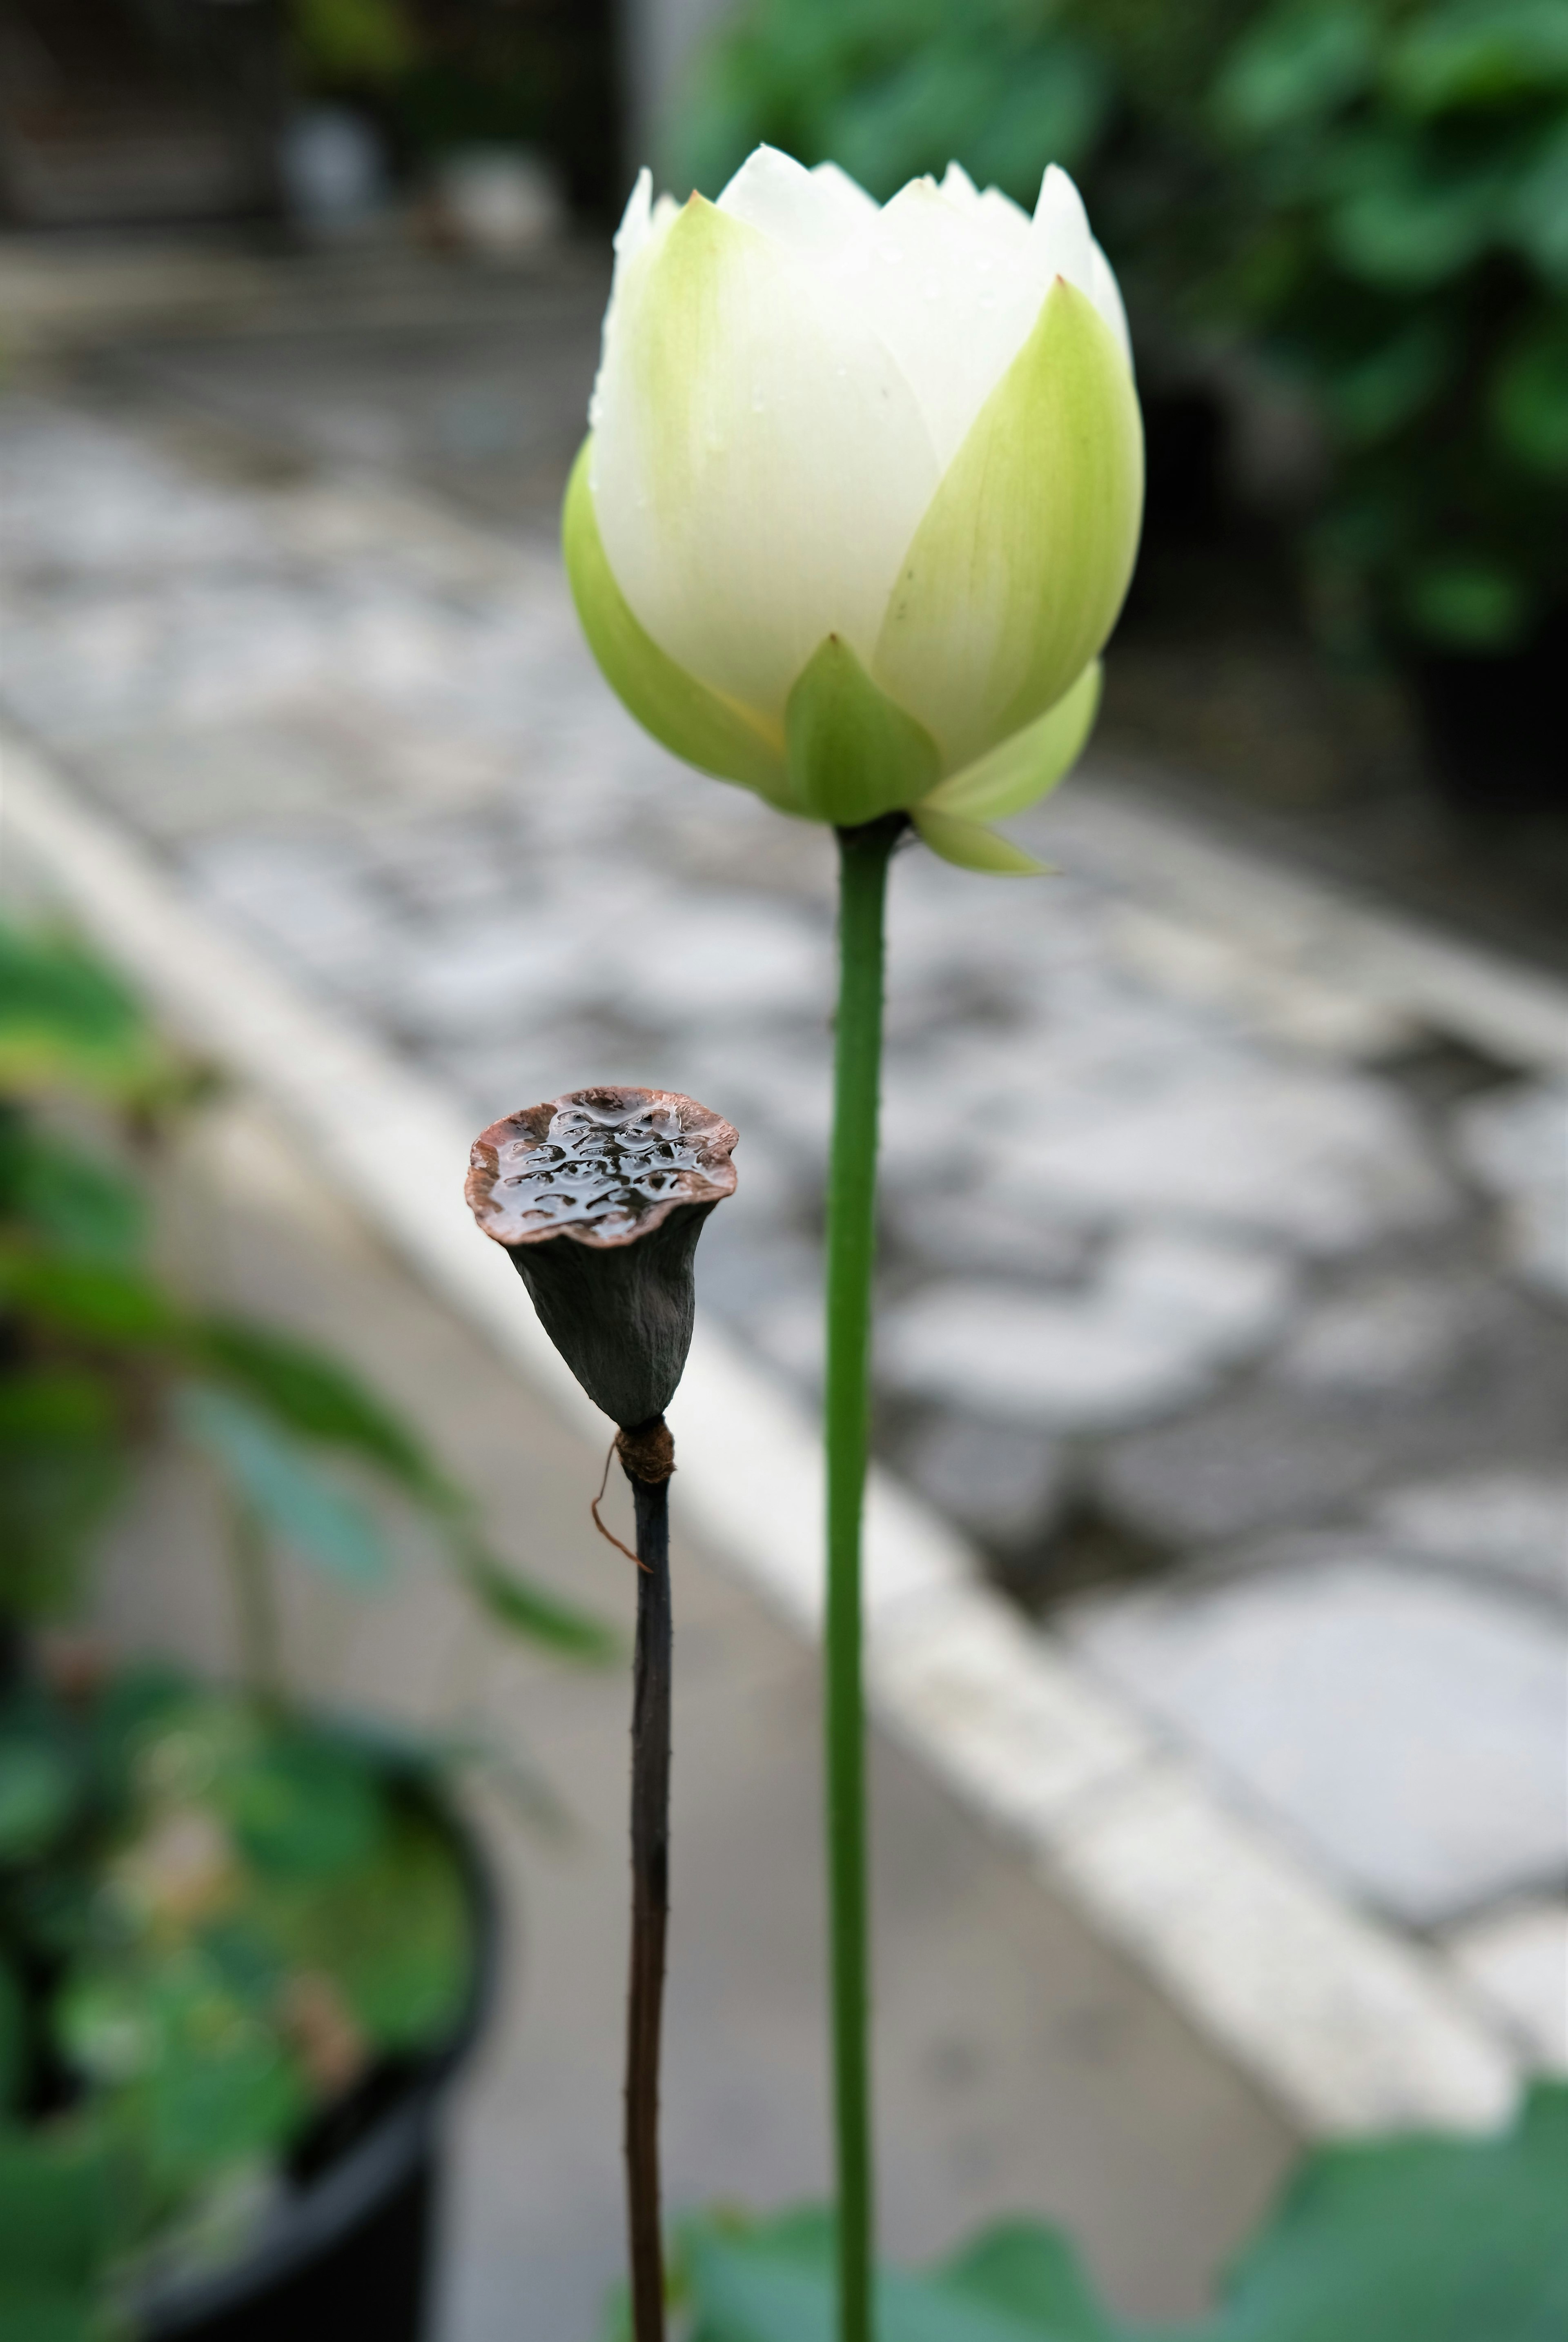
(851, 1252)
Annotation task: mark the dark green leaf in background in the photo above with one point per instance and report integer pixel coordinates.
(37, 1795)
(1530, 399)
(393, 1933)
(322, 1401)
(58, 2224)
(1470, 604)
(76, 1201)
(274, 1475)
(1296, 66)
(1479, 53)
(66, 1020)
(62, 1463)
(1538, 211)
(529, 1611)
(1404, 2239)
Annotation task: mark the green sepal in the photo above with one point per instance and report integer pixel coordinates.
(972, 846)
(693, 722)
(1016, 573)
(853, 755)
(1020, 772)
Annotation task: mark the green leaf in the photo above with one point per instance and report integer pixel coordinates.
(37, 1795)
(66, 1020)
(853, 755)
(15, 2060)
(323, 1401)
(774, 2282)
(1377, 394)
(529, 1611)
(58, 2228)
(1020, 772)
(1479, 53)
(102, 1302)
(1530, 399)
(693, 722)
(1018, 570)
(393, 1934)
(1471, 604)
(1410, 218)
(1032, 2270)
(1007, 107)
(1298, 65)
(85, 1206)
(1416, 2239)
(62, 1463)
(218, 2085)
(1403, 2239)
(969, 846)
(276, 1476)
(303, 1807)
(1538, 211)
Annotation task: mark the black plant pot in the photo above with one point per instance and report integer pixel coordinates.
(1497, 729)
(351, 2250)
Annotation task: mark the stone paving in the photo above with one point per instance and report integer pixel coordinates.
(1226, 1312)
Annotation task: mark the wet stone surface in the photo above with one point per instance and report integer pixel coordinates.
(1183, 1256)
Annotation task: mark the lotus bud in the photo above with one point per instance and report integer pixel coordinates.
(861, 495)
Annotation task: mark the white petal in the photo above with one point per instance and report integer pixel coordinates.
(632, 232)
(1005, 217)
(953, 299)
(848, 194)
(1059, 233)
(643, 225)
(959, 187)
(760, 464)
(806, 214)
(1106, 295)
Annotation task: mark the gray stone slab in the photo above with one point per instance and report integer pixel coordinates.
(1394, 1333)
(1002, 1480)
(1165, 1314)
(1328, 1162)
(1409, 1731)
(1512, 1525)
(1516, 1145)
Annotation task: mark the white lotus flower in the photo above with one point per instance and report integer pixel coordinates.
(861, 496)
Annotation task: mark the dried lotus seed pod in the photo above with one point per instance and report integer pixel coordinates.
(600, 1198)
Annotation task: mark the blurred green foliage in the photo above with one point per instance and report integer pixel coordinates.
(100, 1357)
(1370, 194)
(1400, 242)
(218, 1915)
(1405, 2239)
(216, 1921)
(891, 88)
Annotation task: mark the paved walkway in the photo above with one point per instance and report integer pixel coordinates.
(1224, 1301)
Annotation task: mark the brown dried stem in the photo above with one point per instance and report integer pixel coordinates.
(651, 1682)
(599, 1197)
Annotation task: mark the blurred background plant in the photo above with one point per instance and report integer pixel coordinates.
(229, 1928)
(439, 78)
